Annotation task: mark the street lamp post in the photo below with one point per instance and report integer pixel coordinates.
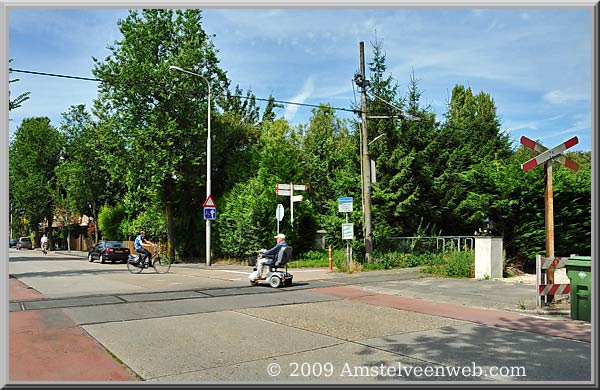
(208, 147)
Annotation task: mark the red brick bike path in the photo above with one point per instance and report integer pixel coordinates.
(575, 330)
(46, 345)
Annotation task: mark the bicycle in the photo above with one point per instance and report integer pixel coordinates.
(161, 264)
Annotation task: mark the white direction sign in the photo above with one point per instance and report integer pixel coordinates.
(347, 231)
(548, 154)
(345, 205)
(297, 187)
(288, 190)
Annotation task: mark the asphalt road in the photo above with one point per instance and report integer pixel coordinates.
(201, 324)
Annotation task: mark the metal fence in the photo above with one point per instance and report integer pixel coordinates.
(420, 244)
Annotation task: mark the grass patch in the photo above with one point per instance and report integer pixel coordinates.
(320, 259)
(459, 264)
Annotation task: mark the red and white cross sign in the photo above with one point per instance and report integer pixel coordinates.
(547, 154)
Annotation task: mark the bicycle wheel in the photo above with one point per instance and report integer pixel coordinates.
(134, 268)
(161, 264)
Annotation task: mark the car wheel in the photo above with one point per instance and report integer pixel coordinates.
(90, 258)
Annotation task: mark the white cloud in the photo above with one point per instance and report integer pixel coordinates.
(307, 90)
(564, 97)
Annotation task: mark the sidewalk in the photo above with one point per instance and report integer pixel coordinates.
(46, 345)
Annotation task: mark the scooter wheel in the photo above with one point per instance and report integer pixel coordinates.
(253, 282)
(275, 281)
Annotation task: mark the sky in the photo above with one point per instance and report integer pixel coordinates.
(536, 63)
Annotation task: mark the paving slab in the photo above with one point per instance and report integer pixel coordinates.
(531, 357)
(84, 301)
(578, 330)
(347, 363)
(153, 309)
(223, 292)
(492, 294)
(341, 319)
(161, 296)
(168, 347)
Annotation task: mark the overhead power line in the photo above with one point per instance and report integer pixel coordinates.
(54, 75)
(239, 96)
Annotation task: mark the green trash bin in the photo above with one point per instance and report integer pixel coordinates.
(579, 271)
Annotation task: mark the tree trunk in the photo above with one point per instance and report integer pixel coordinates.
(170, 232)
(95, 223)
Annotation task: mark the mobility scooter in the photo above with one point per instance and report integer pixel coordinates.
(275, 277)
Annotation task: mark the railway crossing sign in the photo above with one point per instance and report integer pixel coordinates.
(549, 154)
(546, 157)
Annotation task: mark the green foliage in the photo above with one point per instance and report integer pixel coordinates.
(238, 227)
(34, 154)
(16, 102)
(152, 221)
(109, 222)
(392, 259)
(455, 264)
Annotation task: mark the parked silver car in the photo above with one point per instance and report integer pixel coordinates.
(24, 243)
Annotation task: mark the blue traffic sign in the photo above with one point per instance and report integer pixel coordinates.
(210, 213)
(345, 205)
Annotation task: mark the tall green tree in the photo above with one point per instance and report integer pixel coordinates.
(402, 193)
(34, 154)
(162, 114)
(471, 136)
(84, 182)
(330, 167)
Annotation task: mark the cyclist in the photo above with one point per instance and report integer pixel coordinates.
(139, 243)
(44, 242)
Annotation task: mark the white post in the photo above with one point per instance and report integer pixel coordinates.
(208, 179)
(208, 162)
(292, 204)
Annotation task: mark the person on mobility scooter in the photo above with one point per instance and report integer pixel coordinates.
(276, 257)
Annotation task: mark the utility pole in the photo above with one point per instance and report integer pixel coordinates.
(549, 219)
(365, 161)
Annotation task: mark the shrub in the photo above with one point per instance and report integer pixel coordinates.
(456, 264)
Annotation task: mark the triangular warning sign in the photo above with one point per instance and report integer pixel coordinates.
(209, 202)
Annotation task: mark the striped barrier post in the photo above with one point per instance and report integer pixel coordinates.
(542, 264)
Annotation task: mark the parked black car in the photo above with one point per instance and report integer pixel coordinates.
(109, 251)
(12, 242)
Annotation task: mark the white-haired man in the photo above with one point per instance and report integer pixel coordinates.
(269, 255)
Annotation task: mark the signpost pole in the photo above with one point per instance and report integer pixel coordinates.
(549, 219)
(292, 205)
(348, 257)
